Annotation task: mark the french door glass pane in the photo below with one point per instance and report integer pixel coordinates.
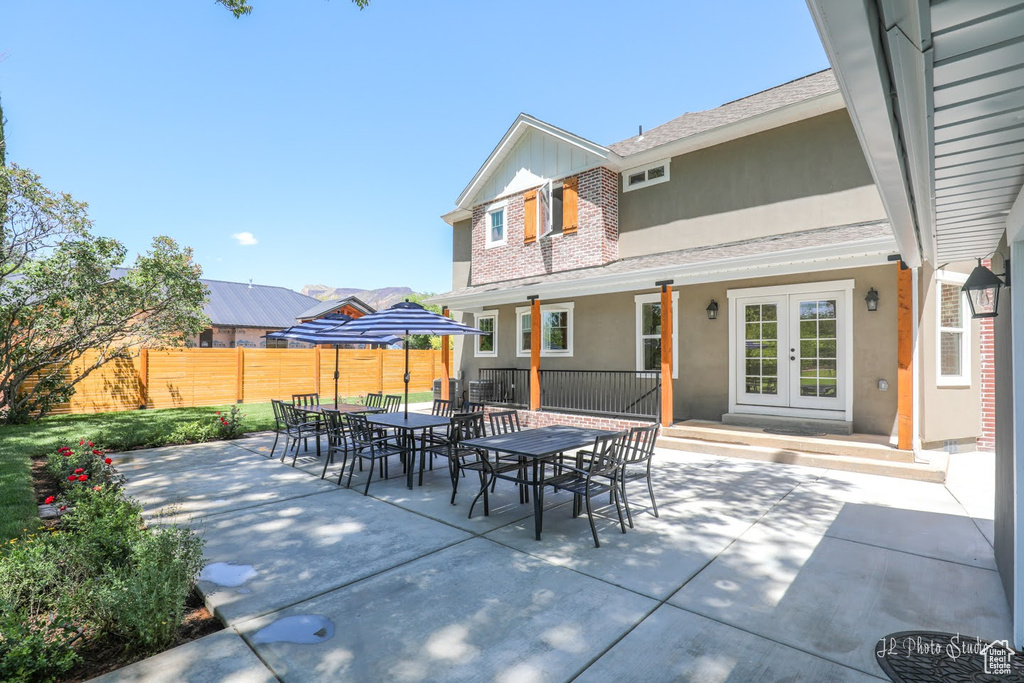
(818, 348)
(761, 334)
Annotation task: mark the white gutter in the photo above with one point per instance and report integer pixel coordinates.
(849, 33)
(804, 260)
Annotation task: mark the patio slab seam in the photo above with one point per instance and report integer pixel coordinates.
(907, 552)
(969, 515)
(247, 508)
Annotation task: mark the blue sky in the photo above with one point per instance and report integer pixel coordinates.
(336, 137)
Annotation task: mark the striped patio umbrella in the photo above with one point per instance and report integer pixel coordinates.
(403, 319)
(329, 330)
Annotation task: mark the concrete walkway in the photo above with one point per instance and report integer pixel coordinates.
(754, 571)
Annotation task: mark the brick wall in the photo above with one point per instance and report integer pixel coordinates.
(530, 419)
(595, 242)
(987, 440)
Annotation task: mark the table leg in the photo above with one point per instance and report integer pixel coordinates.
(538, 473)
(409, 446)
(317, 436)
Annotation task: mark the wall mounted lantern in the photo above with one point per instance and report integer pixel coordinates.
(712, 310)
(872, 299)
(982, 289)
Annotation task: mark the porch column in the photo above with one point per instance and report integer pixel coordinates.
(446, 360)
(534, 352)
(666, 353)
(904, 358)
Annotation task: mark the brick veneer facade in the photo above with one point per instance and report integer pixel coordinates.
(595, 242)
(987, 440)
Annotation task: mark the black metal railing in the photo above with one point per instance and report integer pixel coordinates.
(617, 393)
(502, 386)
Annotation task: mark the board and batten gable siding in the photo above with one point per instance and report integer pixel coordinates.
(593, 243)
(535, 158)
(806, 175)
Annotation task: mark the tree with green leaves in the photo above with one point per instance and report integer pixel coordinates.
(62, 294)
(240, 8)
(424, 341)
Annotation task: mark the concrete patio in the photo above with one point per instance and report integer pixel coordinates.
(754, 571)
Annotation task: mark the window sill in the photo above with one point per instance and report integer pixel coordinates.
(953, 384)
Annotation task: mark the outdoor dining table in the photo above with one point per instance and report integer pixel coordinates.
(317, 412)
(538, 445)
(407, 426)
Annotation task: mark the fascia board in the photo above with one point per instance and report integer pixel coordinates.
(848, 32)
(793, 261)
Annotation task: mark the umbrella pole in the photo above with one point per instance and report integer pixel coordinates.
(335, 376)
(407, 374)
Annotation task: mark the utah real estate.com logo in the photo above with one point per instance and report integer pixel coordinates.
(996, 656)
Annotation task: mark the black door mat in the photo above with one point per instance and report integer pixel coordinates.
(792, 432)
(933, 657)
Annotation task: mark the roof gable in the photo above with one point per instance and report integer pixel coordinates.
(529, 153)
(324, 308)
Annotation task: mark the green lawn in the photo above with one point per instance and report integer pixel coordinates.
(18, 443)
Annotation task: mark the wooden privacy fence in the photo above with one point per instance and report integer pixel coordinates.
(179, 378)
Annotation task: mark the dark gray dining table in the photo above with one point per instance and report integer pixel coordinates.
(407, 426)
(538, 446)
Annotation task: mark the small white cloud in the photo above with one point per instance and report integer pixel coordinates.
(246, 239)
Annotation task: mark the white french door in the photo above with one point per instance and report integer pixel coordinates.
(790, 352)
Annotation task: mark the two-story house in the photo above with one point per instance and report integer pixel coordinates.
(732, 265)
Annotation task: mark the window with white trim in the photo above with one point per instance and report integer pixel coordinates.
(953, 361)
(487, 343)
(648, 332)
(494, 225)
(645, 176)
(555, 330)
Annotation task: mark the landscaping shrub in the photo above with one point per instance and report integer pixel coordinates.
(191, 432)
(229, 425)
(100, 573)
(145, 602)
(34, 650)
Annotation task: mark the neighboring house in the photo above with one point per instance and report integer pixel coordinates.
(350, 305)
(761, 214)
(242, 313)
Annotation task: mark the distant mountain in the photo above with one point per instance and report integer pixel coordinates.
(378, 298)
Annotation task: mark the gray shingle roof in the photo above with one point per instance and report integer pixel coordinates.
(709, 255)
(808, 87)
(323, 307)
(237, 304)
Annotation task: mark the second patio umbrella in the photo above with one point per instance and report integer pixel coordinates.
(403, 319)
(329, 330)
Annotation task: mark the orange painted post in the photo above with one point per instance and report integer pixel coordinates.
(446, 361)
(535, 354)
(904, 359)
(239, 374)
(380, 368)
(666, 354)
(143, 378)
(316, 369)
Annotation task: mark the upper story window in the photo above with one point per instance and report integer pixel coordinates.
(644, 176)
(954, 332)
(555, 330)
(495, 225)
(487, 343)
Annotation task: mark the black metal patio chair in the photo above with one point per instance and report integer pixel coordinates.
(367, 445)
(305, 400)
(339, 440)
(462, 458)
(374, 400)
(595, 474)
(297, 428)
(638, 453)
(392, 403)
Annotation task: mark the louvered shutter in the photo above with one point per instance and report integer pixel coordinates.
(570, 204)
(530, 217)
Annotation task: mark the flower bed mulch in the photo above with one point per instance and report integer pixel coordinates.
(104, 656)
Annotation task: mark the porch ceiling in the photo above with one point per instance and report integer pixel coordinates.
(950, 75)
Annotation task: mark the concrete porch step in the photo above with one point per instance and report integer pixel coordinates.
(934, 472)
(856, 445)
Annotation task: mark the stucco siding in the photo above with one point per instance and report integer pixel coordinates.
(462, 253)
(605, 339)
(806, 175)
